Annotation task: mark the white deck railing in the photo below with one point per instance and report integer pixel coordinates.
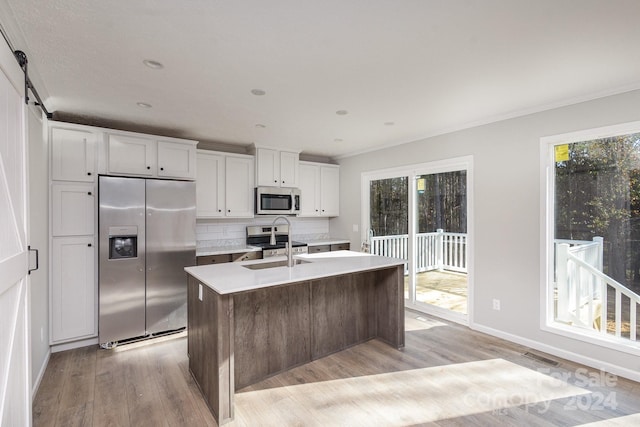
(434, 251)
(582, 288)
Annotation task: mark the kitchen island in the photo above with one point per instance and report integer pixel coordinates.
(247, 323)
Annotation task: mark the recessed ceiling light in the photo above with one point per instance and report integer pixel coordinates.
(258, 92)
(338, 140)
(260, 125)
(153, 64)
(342, 112)
(389, 123)
(143, 104)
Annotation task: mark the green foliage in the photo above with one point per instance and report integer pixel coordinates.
(597, 193)
(441, 204)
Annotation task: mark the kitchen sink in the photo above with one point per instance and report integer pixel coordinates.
(273, 264)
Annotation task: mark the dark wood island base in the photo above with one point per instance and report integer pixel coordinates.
(239, 339)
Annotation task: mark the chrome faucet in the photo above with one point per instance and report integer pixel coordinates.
(273, 238)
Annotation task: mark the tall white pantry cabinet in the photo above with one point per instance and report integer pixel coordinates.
(73, 286)
(78, 154)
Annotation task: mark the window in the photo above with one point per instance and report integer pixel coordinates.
(593, 233)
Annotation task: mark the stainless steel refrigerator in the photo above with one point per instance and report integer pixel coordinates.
(147, 237)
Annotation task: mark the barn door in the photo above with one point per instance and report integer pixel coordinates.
(15, 395)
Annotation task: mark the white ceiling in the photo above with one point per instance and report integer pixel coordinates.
(427, 66)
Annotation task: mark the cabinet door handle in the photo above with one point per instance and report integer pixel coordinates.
(37, 259)
(228, 210)
(219, 210)
(89, 173)
(89, 193)
(161, 169)
(275, 180)
(89, 244)
(148, 167)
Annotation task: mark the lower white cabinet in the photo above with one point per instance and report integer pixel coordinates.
(320, 189)
(73, 289)
(224, 185)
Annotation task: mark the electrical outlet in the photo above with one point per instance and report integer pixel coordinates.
(496, 304)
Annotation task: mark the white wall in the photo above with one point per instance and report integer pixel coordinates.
(506, 218)
(38, 239)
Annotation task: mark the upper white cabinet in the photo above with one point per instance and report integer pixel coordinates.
(73, 154)
(319, 189)
(129, 155)
(145, 155)
(224, 185)
(330, 190)
(239, 193)
(276, 168)
(73, 209)
(176, 160)
(210, 182)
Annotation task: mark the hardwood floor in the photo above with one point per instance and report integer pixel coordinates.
(447, 375)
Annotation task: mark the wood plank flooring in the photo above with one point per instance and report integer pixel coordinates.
(447, 375)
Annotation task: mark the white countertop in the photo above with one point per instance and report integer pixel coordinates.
(227, 249)
(327, 241)
(232, 277)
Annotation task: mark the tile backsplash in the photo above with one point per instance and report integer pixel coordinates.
(232, 232)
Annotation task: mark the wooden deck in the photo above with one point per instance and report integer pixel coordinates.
(443, 289)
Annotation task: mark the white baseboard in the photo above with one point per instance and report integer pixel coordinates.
(71, 345)
(568, 355)
(41, 372)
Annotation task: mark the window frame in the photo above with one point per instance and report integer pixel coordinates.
(547, 225)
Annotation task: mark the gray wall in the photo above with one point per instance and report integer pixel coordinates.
(506, 215)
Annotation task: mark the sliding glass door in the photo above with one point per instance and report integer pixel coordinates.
(420, 214)
(440, 215)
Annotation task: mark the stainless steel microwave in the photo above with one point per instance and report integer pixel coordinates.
(277, 201)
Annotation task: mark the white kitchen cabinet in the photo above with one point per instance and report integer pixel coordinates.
(73, 289)
(210, 183)
(131, 155)
(73, 209)
(319, 189)
(239, 193)
(289, 169)
(73, 154)
(224, 185)
(176, 160)
(330, 190)
(276, 168)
